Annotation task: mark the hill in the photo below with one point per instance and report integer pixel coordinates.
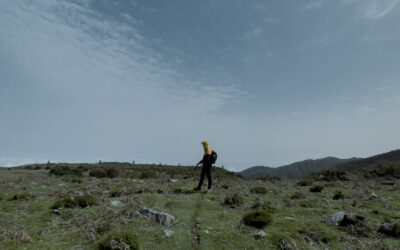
(392, 156)
(295, 170)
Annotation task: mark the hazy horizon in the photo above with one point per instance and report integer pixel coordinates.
(266, 82)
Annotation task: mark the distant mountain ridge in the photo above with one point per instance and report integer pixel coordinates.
(296, 169)
(304, 168)
(392, 156)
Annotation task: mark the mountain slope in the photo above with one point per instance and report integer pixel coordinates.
(391, 156)
(295, 170)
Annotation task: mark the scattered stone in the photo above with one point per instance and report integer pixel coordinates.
(206, 231)
(173, 180)
(373, 197)
(56, 212)
(116, 203)
(61, 184)
(259, 235)
(168, 233)
(78, 193)
(163, 218)
(335, 218)
(289, 218)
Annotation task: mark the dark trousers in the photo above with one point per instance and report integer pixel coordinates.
(206, 169)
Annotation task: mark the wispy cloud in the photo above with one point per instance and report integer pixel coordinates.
(314, 4)
(378, 9)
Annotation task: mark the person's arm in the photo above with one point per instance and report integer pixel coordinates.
(200, 162)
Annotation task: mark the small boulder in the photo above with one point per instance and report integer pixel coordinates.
(116, 203)
(168, 233)
(259, 235)
(173, 180)
(163, 218)
(335, 218)
(289, 218)
(78, 193)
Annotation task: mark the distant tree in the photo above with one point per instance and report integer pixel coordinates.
(133, 163)
(100, 162)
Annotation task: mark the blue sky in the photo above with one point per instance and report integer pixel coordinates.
(266, 82)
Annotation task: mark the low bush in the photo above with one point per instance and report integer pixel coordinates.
(233, 200)
(64, 203)
(338, 195)
(115, 193)
(258, 190)
(98, 173)
(148, 175)
(20, 196)
(297, 196)
(316, 189)
(80, 201)
(119, 240)
(111, 172)
(75, 180)
(85, 201)
(61, 170)
(392, 230)
(257, 218)
(1, 197)
(304, 183)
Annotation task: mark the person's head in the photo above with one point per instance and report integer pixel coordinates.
(205, 144)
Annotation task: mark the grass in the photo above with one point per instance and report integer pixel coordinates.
(29, 223)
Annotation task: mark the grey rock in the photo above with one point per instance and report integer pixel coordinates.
(335, 218)
(289, 218)
(168, 233)
(116, 203)
(206, 231)
(173, 180)
(259, 235)
(56, 212)
(163, 218)
(78, 193)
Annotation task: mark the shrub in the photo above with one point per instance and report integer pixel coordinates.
(115, 193)
(1, 197)
(47, 167)
(64, 170)
(333, 175)
(81, 201)
(111, 172)
(233, 199)
(149, 175)
(85, 201)
(98, 173)
(20, 196)
(64, 203)
(119, 240)
(304, 183)
(338, 195)
(316, 188)
(258, 190)
(257, 218)
(37, 167)
(390, 229)
(297, 195)
(75, 180)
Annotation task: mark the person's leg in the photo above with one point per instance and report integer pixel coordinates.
(209, 177)
(202, 175)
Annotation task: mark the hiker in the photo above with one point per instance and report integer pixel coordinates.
(209, 158)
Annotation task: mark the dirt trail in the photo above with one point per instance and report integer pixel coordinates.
(195, 227)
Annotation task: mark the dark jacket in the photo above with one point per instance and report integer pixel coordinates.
(208, 160)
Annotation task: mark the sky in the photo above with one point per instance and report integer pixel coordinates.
(265, 82)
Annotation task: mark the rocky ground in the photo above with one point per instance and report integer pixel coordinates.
(156, 209)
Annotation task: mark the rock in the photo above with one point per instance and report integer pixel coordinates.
(168, 233)
(289, 218)
(56, 212)
(173, 180)
(206, 231)
(335, 218)
(390, 229)
(373, 197)
(259, 235)
(78, 193)
(116, 203)
(163, 218)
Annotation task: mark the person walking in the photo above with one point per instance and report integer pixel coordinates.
(209, 158)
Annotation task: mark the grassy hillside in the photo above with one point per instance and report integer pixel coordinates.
(71, 209)
(295, 170)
